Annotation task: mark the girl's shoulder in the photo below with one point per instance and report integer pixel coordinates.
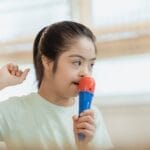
(14, 103)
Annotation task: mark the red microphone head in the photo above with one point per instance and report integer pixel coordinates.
(87, 84)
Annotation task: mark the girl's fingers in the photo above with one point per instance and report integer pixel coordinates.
(13, 72)
(9, 67)
(87, 112)
(24, 74)
(75, 118)
(88, 119)
(85, 122)
(13, 69)
(85, 125)
(19, 73)
(87, 133)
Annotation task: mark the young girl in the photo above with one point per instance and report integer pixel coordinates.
(63, 53)
(10, 74)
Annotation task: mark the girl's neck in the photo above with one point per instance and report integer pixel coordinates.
(56, 99)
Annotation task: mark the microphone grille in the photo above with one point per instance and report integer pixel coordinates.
(87, 84)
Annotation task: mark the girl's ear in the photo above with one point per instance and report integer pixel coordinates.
(47, 64)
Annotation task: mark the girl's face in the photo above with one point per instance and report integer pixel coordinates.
(73, 64)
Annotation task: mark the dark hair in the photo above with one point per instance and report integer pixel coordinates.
(53, 40)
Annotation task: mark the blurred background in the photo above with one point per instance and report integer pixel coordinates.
(122, 71)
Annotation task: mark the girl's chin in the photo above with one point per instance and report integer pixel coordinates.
(75, 93)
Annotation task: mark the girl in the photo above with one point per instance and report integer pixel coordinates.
(63, 53)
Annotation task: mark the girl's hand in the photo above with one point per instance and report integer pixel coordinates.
(84, 124)
(11, 75)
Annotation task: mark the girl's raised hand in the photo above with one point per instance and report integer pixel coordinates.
(10, 74)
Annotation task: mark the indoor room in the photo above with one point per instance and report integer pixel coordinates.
(121, 71)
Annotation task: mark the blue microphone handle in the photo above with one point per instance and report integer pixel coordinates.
(85, 99)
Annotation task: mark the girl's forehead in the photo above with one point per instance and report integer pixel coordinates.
(87, 53)
(82, 45)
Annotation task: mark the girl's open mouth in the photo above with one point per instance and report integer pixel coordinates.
(76, 83)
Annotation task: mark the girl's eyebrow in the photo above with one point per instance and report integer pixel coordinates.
(76, 55)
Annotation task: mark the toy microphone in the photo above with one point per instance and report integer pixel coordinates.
(86, 90)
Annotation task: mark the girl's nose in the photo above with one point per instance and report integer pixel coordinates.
(84, 71)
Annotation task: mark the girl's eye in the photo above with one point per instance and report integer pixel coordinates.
(92, 65)
(77, 63)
